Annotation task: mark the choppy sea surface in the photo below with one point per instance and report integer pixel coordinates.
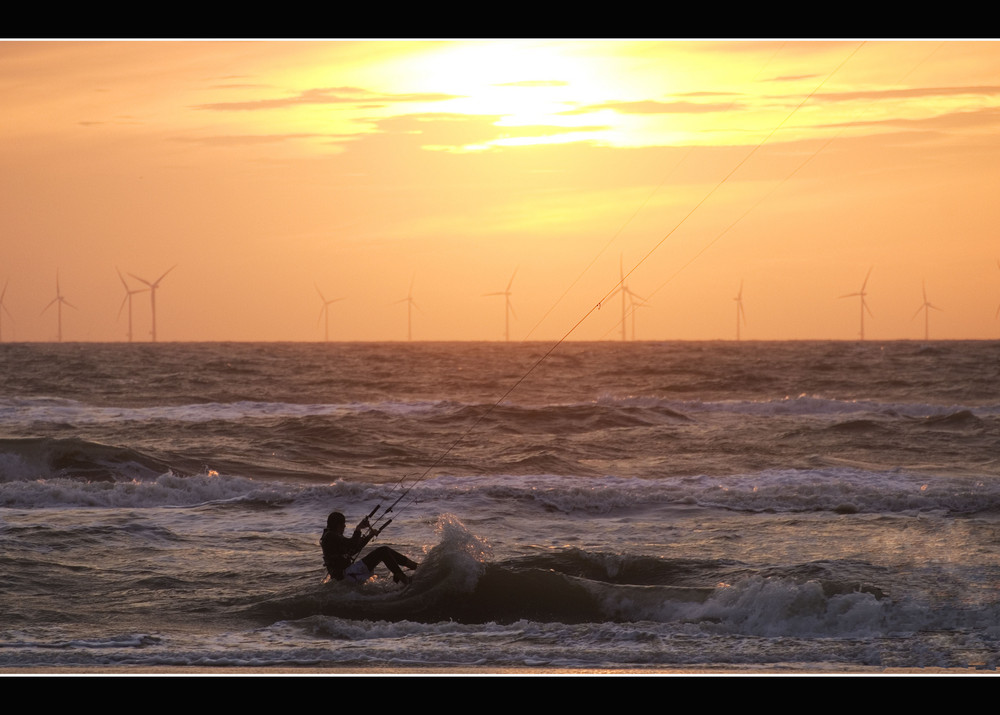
(748, 505)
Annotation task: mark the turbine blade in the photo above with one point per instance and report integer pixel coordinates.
(866, 278)
(157, 282)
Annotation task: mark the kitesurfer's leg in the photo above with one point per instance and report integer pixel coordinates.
(392, 560)
(404, 561)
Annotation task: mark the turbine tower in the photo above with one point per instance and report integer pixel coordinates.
(926, 306)
(864, 304)
(3, 309)
(58, 300)
(152, 294)
(324, 312)
(129, 292)
(410, 304)
(740, 315)
(508, 306)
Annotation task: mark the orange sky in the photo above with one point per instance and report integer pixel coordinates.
(267, 170)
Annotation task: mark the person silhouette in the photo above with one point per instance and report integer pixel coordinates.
(340, 552)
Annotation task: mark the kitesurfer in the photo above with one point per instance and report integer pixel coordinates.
(340, 551)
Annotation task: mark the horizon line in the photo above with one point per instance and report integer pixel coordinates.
(613, 341)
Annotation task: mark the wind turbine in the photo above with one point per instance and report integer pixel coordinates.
(634, 300)
(508, 306)
(740, 315)
(3, 309)
(325, 312)
(926, 307)
(58, 300)
(128, 298)
(634, 305)
(152, 294)
(410, 304)
(864, 304)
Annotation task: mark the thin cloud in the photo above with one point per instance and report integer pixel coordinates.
(247, 139)
(535, 83)
(794, 78)
(950, 121)
(656, 107)
(446, 131)
(326, 96)
(987, 90)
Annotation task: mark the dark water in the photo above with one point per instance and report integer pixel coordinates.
(812, 505)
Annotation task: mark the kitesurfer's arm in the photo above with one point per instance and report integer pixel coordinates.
(363, 540)
(357, 541)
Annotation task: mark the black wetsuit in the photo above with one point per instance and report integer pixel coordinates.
(339, 551)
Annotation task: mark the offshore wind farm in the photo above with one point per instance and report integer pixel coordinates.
(631, 302)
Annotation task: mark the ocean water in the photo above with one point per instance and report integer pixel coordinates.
(815, 506)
